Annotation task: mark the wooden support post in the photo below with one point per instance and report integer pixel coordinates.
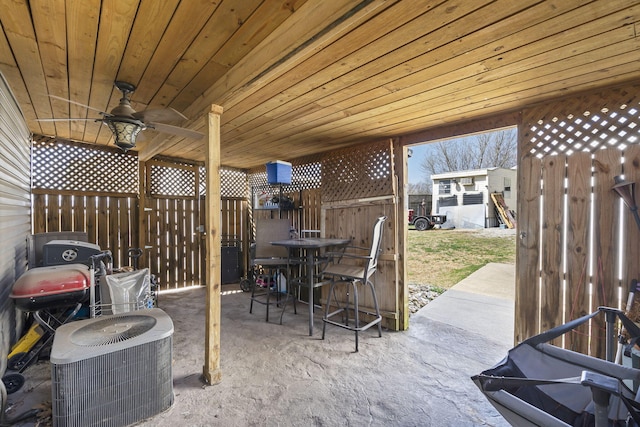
(211, 370)
(400, 189)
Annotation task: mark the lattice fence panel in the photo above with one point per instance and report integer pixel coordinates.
(64, 166)
(306, 174)
(578, 242)
(233, 183)
(166, 180)
(585, 123)
(355, 173)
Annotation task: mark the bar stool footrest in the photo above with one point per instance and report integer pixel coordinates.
(352, 328)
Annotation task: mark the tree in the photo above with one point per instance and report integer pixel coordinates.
(494, 149)
(419, 188)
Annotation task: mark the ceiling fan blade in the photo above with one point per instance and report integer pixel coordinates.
(77, 103)
(159, 115)
(68, 120)
(175, 130)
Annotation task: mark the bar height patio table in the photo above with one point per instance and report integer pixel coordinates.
(312, 248)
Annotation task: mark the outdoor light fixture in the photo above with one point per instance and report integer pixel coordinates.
(626, 191)
(125, 130)
(123, 121)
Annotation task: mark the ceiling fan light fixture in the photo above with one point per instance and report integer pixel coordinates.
(125, 131)
(125, 123)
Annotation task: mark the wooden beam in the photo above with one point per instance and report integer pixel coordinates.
(211, 370)
(455, 130)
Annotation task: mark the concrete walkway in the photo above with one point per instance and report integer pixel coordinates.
(277, 375)
(482, 303)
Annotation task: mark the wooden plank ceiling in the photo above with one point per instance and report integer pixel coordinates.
(299, 77)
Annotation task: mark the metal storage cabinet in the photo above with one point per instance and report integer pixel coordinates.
(230, 259)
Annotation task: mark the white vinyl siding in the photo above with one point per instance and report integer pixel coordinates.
(15, 210)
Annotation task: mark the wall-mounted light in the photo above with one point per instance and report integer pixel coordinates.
(626, 191)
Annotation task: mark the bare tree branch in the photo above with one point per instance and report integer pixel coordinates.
(494, 149)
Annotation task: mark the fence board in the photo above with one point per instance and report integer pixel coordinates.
(189, 246)
(66, 214)
(153, 240)
(112, 232)
(102, 222)
(225, 226)
(53, 214)
(181, 244)
(311, 206)
(551, 295)
(238, 212)
(607, 164)
(39, 213)
(527, 299)
(79, 210)
(125, 227)
(134, 225)
(175, 224)
(578, 218)
(163, 255)
(92, 218)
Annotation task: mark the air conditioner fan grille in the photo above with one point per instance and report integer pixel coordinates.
(112, 330)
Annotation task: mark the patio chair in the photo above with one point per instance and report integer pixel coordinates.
(353, 267)
(270, 259)
(539, 384)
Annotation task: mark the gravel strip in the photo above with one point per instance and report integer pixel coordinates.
(421, 295)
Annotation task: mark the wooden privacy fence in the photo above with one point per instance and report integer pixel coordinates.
(110, 222)
(82, 188)
(359, 185)
(578, 245)
(175, 250)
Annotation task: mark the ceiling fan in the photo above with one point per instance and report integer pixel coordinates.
(125, 123)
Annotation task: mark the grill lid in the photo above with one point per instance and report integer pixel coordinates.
(52, 280)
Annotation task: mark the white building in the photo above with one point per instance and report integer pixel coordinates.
(465, 197)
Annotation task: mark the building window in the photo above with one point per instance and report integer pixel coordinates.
(445, 186)
(472, 199)
(507, 188)
(447, 201)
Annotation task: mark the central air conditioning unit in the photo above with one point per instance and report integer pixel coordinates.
(112, 371)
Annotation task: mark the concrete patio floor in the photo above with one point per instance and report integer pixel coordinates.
(278, 375)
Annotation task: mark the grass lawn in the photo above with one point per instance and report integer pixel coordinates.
(441, 258)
